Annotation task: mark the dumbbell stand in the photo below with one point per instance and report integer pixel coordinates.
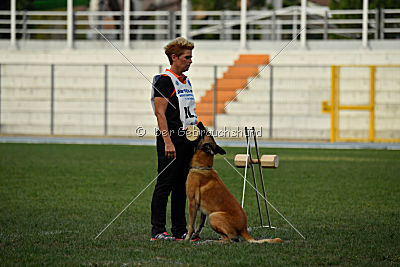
(248, 133)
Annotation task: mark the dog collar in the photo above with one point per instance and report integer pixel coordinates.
(202, 168)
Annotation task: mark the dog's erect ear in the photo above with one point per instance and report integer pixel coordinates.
(219, 150)
(201, 127)
(208, 149)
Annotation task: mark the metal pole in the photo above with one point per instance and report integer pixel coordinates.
(271, 87)
(228, 29)
(172, 25)
(294, 27)
(365, 24)
(372, 105)
(254, 180)
(382, 24)
(273, 26)
(376, 35)
(184, 19)
(121, 34)
(222, 25)
(243, 24)
(215, 99)
(70, 24)
(326, 25)
(24, 26)
(105, 99)
(13, 35)
(303, 27)
(127, 8)
(52, 100)
(262, 179)
(335, 87)
(247, 163)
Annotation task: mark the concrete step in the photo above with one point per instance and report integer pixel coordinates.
(78, 117)
(309, 84)
(387, 134)
(25, 128)
(81, 129)
(337, 57)
(80, 94)
(44, 129)
(303, 72)
(281, 71)
(25, 118)
(73, 106)
(301, 134)
(389, 124)
(364, 133)
(388, 85)
(239, 108)
(318, 121)
(205, 71)
(391, 73)
(25, 106)
(299, 84)
(200, 72)
(136, 56)
(252, 97)
(358, 120)
(27, 82)
(390, 110)
(9, 70)
(280, 133)
(388, 97)
(124, 130)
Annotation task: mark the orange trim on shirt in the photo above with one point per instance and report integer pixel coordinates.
(180, 78)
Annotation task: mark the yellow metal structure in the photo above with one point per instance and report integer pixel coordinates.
(334, 106)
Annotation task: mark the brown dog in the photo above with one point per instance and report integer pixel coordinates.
(206, 192)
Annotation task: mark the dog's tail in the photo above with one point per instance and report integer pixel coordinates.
(249, 239)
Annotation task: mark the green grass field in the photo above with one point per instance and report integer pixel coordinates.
(54, 199)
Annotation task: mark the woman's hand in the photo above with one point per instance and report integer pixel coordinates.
(170, 150)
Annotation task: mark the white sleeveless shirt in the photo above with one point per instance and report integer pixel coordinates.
(184, 92)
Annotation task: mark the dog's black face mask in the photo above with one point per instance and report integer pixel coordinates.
(210, 147)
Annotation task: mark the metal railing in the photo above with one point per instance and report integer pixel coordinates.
(210, 25)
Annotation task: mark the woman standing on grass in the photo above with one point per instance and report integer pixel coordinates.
(175, 108)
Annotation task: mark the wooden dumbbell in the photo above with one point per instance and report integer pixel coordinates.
(267, 161)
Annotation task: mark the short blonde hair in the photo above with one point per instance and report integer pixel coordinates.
(177, 47)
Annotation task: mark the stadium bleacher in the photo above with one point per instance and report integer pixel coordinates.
(301, 81)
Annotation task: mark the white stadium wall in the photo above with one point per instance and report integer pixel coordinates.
(301, 82)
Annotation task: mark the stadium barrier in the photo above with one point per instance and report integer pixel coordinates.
(283, 102)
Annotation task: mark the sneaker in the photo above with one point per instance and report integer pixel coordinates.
(195, 238)
(180, 238)
(162, 236)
